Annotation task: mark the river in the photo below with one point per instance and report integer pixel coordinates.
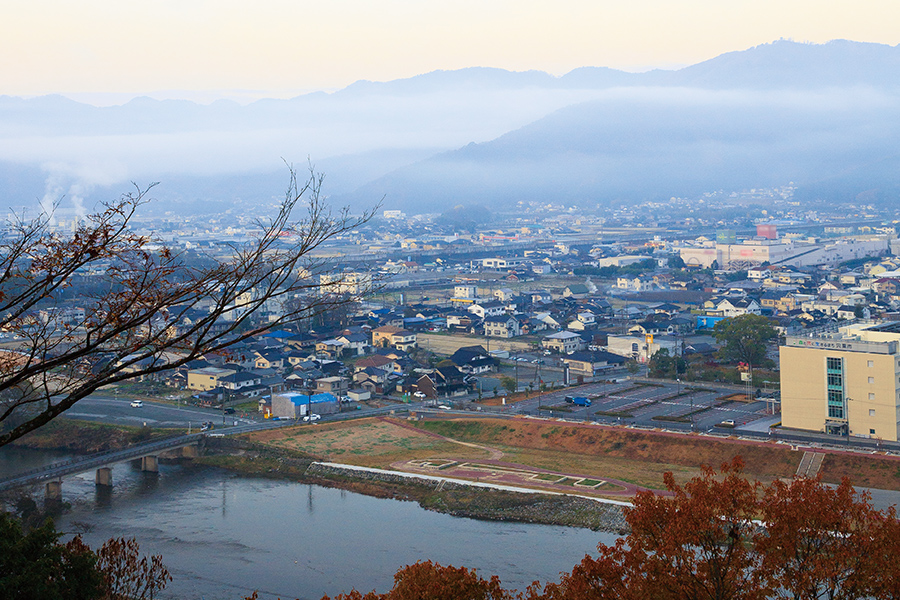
(224, 535)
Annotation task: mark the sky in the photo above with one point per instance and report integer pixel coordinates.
(107, 51)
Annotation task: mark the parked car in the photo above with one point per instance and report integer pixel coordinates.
(136, 403)
(229, 411)
(312, 417)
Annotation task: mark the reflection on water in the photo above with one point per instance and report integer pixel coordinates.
(223, 536)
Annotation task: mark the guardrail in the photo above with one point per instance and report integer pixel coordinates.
(86, 463)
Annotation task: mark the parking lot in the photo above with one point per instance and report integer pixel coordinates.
(667, 405)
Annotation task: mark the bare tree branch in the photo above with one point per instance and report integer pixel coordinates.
(143, 320)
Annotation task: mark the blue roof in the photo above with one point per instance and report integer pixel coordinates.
(299, 399)
(281, 333)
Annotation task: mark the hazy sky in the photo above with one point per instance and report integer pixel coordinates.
(280, 47)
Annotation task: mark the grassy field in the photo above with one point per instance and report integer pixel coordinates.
(642, 457)
(366, 442)
(636, 457)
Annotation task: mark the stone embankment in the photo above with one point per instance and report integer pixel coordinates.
(485, 501)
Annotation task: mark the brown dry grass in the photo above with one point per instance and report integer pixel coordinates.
(873, 471)
(634, 456)
(365, 442)
(498, 400)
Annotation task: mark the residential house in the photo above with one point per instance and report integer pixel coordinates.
(269, 359)
(541, 297)
(504, 295)
(379, 362)
(487, 309)
(506, 326)
(332, 385)
(638, 283)
(443, 381)
(469, 292)
(372, 379)
(474, 360)
(206, 378)
(583, 320)
(356, 343)
(589, 363)
(734, 307)
(640, 347)
(241, 382)
(564, 342)
(330, 348)
(395, 337)
(576, 290)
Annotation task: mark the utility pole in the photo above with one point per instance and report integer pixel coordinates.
(516, 357)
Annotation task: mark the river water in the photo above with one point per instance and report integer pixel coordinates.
(223, 535)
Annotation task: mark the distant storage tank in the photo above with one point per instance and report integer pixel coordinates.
(768, 232)
(725, 236)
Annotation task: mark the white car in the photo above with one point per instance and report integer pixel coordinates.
(419, 394)
(443, 406)
(312, 417)
(136, 403)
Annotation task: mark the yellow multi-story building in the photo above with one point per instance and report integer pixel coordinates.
(843, 382)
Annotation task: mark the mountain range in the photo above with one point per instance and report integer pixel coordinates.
(824, 117)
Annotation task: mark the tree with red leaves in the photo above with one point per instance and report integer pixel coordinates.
(435, 582)
(721, 537)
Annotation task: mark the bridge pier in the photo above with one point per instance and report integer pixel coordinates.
(54, 490)
(190, 452)
(150, 464)
(103, 477)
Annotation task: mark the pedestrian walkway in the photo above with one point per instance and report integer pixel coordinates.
(810, 464)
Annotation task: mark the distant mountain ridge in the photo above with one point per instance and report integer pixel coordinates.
(821, 115)
(646, 147)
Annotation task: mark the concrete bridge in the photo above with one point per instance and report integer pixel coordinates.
(147, 452)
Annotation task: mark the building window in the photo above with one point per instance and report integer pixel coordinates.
(871, 432)
(871, 412)
(871, 380)
(835, 380)
(871, 363)
(871, 396)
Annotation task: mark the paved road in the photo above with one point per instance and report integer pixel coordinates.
(106, 409)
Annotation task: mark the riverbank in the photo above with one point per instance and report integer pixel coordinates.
(83, 437)
(452, 498)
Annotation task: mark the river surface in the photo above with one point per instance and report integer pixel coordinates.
(223, 535)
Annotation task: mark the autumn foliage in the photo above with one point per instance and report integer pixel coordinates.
(718, 537)
(435, 582)
(36, 565)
